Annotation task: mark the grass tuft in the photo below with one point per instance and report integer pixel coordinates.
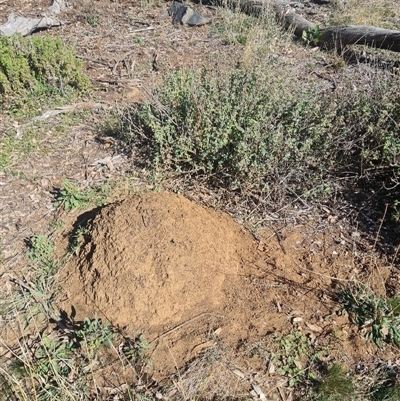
(335, 385)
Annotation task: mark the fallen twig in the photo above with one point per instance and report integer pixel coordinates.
(56, 112)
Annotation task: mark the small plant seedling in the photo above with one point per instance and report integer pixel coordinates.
(94, 334)
(77, 239)
(294, 357)
(136, 349)
(71, 197)
(311, 36)
(381, 317)
(57, 224)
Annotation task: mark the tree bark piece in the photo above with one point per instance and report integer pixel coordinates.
(26, 26)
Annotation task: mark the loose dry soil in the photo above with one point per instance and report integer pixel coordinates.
(186, 276)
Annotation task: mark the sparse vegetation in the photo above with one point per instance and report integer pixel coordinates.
(77, 238)
(262, 130)
(379, 317)
(60, 362)
(71, 196)
(296, 358)
(335, 385)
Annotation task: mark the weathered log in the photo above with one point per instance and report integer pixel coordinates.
(290, 19)
(341, 36)
(331, 37)
(26, 26)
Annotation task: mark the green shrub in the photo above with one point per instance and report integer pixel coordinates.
(258, 130)
(41, 65)
(244, 126)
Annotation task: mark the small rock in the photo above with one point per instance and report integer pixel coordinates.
(186, 15)
(297, 320)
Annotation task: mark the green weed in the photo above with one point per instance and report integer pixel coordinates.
(295, 357)
(37, 297)
(379, 316)
(41, 253)
(95, 334)
(56, 224)
(77, 239)
(136, 349)
(72, 197)
(311, 36)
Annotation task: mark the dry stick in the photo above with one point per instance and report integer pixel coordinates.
(149, 28)
(93, 60)
(395, 254)
(380, 226)
(187, 322)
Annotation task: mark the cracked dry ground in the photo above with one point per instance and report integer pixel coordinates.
(206, 282)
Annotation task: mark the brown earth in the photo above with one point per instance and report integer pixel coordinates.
(184, 275)
(158, 262)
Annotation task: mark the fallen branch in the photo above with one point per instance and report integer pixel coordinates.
(55, 112)
(332, 37)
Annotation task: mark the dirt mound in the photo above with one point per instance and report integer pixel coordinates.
(188, 277)
(164, 266)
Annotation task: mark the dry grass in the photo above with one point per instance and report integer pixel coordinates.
(379, 13)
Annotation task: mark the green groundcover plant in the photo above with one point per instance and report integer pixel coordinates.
(40, 66)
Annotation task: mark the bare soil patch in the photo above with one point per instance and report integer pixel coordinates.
(188, 277)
